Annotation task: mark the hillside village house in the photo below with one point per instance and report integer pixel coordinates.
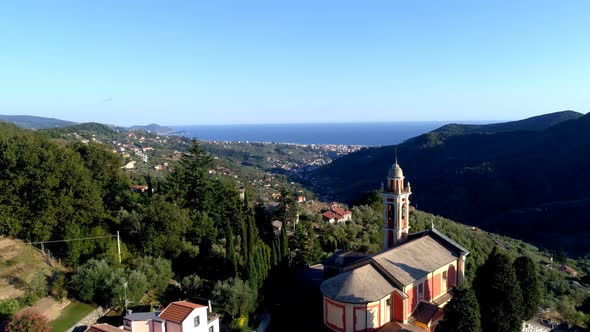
(404, 286)
(181, 316)
(336, 214)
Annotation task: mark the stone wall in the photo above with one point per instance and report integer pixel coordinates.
(90, 319)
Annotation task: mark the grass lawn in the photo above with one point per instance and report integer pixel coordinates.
(71, 315)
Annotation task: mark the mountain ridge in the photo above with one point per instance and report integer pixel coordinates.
(35, 122)
(475, 178)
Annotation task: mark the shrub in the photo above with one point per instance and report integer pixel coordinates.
(8, 308)
(28, 321)
(38, 286)
(58, 286)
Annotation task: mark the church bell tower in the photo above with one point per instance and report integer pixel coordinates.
(396, 203)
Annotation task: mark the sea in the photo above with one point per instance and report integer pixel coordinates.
(367, 134)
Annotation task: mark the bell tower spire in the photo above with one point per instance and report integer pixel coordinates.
(396, 203)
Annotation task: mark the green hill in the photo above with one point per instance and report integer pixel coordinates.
(91, 129)
(154, 128)
(506, 181)
(535, 123)
(35, 122)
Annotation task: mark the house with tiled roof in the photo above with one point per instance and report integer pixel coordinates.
(140, 321)
(403, 287)
(336, 214)
(181, 316)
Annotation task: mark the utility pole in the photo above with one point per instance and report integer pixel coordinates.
(125, 289)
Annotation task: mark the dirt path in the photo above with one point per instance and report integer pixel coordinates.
(49, 307)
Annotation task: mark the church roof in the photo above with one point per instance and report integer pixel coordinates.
(415, 259)
(360, 285)
(423, 253)
(395, 171)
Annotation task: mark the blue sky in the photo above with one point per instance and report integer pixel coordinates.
(281, 61)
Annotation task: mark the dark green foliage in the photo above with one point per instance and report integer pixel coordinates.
(284, 243)
(58, 287)
(38, 287)
(560, 256)
(84, 129)
(100, 283)
(499, 295)
(51, 192)
(158, 271)
(105, 167)
(191, 286)
(306, 244)
(96, 281)
(232, 255)
(502, 179)
(8, 308)
(585, 307)
(462, 312)
(158, 229)
(235, 296)
(527, 275)
(363, 234)
(137, 284)
(190, 184)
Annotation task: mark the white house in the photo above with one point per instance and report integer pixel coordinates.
(185, 316)
(181, 316)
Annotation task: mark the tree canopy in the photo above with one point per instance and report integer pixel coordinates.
(528, 279)
(499, 295)
(462, 312)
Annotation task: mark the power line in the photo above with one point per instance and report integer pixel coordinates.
(78, 239)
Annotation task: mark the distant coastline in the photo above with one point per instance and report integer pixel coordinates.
(367, 134)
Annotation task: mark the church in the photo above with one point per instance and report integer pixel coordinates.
(405, 286)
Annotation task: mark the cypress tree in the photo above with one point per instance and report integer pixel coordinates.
(526, 272)
(462, 312)
(232, 258)
(284, 244)
(275, 255)
(499, 295)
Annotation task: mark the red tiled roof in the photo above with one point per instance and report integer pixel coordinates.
(341, 211)
(177, 312)
(336, 213)
(103, 328)
(331, 215)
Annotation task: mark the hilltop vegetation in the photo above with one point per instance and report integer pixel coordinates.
(563, 296)
(536, 123)
(153, 128)
(35, 122)
(195, 228)
(504, 181)
(195, 223)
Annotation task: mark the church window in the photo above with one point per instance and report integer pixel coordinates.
(197, 321)
(420, 291)
(445, 278)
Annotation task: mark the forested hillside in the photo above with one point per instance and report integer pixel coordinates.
(195, 224)
(505, 181)
(563, 296)
(35, 122)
